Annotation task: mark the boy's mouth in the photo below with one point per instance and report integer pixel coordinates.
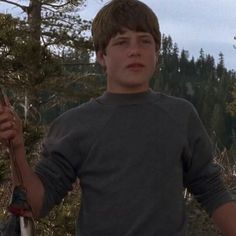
(135, 66)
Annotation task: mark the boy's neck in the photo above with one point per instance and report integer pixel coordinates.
(128, 90)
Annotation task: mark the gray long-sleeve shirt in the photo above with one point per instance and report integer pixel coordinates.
(134, 155)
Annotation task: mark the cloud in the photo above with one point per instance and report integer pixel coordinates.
(199, 24)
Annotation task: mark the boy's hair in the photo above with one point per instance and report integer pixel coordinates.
(120, 14)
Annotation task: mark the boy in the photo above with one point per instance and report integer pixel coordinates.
(134, 150)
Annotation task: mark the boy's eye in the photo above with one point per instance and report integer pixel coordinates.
(121, 42)
(146, 41)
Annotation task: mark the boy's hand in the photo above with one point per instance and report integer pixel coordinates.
(10, 127)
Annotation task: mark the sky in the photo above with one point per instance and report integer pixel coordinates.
(192, 24)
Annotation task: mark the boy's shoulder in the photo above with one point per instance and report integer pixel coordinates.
(87, 113)
(174, 103)
(178, 109)
(84, 109)
(83, 116)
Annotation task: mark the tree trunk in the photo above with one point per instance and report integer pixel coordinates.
(34, 20)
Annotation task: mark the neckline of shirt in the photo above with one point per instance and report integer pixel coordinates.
(109, 98)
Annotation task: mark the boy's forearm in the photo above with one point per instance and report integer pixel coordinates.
(32, 183)
(11, 135)
(225, 218)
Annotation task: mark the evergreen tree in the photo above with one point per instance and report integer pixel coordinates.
(48, 63)
(34, 52)
(49, 30)
(221, 67)
(207, 85)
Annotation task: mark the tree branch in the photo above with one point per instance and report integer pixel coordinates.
(48, 9)
(24, 8)
(56, 6)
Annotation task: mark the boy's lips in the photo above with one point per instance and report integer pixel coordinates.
(135, 65)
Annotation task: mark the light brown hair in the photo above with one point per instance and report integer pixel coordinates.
(120, 14)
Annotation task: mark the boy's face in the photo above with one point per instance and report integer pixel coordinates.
(130, 61)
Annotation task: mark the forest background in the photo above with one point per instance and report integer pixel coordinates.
(47, 66)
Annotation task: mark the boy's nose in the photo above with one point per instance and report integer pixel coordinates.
(134, 50)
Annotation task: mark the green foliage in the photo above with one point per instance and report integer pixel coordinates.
(36, 55)
(32, 47)
(199, 222)
(231, 106)
(62, 219)
(204, 83)
(2, 170)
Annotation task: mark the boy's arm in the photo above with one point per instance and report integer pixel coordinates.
(11, 130)
(225, 218)
(31, 182)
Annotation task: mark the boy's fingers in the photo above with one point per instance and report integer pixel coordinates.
(7, 125)
(8, 119)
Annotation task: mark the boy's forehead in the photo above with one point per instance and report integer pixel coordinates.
(128, 32)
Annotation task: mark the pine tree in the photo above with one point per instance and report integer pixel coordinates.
(37, 78)
(49, 30)
(50, 34)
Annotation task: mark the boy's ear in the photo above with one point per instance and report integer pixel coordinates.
(100, 58)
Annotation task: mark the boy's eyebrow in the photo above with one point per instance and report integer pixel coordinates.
(120, 37)
(141, 35)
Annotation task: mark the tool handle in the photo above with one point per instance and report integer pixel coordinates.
(3, 100)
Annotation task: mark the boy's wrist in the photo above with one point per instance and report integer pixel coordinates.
(18, 144)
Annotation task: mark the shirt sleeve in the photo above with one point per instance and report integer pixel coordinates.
(57, 168)
(202, 176)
